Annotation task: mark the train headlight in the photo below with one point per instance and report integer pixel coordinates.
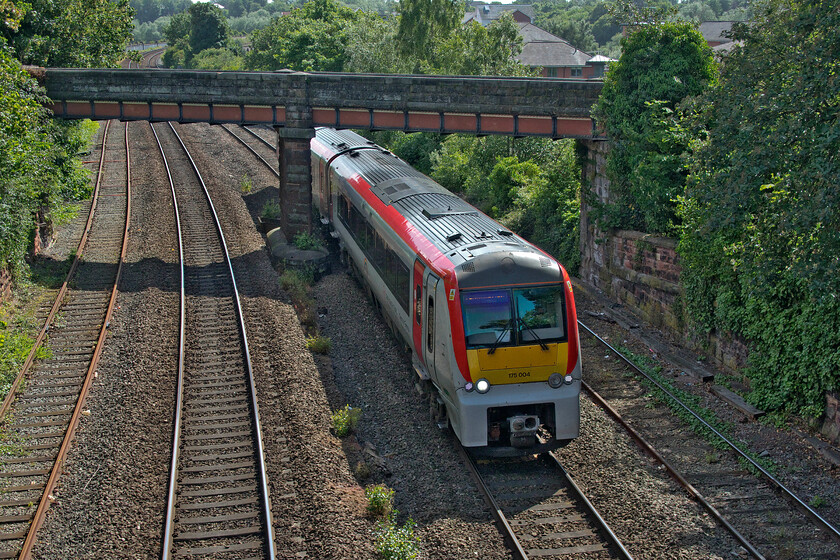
(469, 386)
(568, 379)
(482, 386)
(555, 380)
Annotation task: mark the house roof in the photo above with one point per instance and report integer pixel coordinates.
(600, 59)
(485, 14)
(713, 31)
(541, 48)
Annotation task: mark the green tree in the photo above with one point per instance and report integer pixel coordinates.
(313, 37)
(38, 167)
(371, 47)
(761, 234)
(217, 59)
(178, 29)
(426, 23)
(208, 27)
(482, 51)
(70, 33)
(661, 65)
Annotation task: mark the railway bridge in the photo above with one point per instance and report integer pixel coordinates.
(294, 103)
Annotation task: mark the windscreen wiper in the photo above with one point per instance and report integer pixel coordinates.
(543, 345)
(495, 345)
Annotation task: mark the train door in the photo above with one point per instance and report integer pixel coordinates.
(417, 307)
(323, 180)
(429, 326)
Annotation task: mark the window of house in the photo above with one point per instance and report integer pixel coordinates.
(577, 72)
(551, 72)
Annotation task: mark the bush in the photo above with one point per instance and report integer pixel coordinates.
(344, 420)
(380, 500)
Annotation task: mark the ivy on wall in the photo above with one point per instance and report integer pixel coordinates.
(639, 108)
(760, 245)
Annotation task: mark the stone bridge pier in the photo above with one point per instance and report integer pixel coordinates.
(295, 179)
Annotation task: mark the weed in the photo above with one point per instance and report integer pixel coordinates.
(245, 185)
(776, 418)
(319, 344)
(271, 210)
(712, 457)
(344, 420)
(305, 241)
(816, 502)
(397, 543)
(380, 500)
(298, 286)
(362, 471)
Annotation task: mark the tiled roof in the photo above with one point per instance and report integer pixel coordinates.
(487, 13)
(713, 31)
(541, 48)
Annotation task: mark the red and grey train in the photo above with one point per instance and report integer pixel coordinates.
(489, 318)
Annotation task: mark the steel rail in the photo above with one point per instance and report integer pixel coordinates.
(693, 492)
(44, 504)
(266, 505)
(611, 536)
(507, 530)
(832, 531)
(176, 440)
(30, 359)
(497, 512)
(258, 137)
(252, 150)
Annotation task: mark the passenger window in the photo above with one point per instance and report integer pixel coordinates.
(430, 326)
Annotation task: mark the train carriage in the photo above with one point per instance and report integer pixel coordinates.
(489, 318)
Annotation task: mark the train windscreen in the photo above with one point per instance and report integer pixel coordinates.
(521, 316)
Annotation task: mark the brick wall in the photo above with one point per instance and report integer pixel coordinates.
(640, 270)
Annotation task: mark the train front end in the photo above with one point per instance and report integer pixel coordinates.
(522, 350)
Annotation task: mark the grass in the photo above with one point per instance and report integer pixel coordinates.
(345, 419)
(17, 330)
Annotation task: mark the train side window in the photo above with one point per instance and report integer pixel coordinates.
(418, 304)
(430, 328)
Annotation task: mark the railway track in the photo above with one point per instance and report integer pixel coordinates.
(541, 511)
(218, 503)
(46, 400)
(262, 144)
(766, 517)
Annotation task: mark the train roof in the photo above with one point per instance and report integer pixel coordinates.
(482, 251)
